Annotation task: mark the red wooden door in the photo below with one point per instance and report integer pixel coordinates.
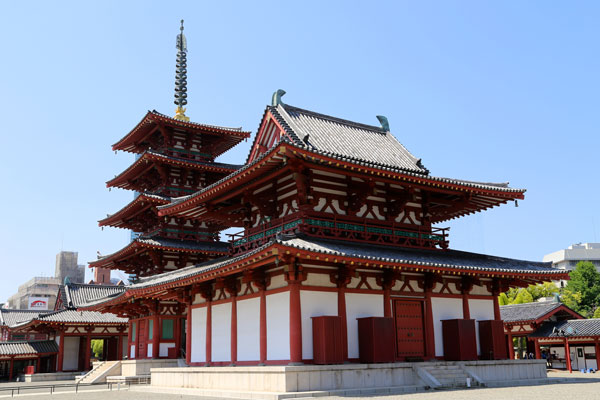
(410, 333)
(142, 346)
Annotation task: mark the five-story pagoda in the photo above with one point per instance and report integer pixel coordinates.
(174, 157)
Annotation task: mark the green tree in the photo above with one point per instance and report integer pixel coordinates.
(546, 289)
(585, 279)
(596, 313)
(571, 299)
(503, 299)
(97, 347)
(523, 296)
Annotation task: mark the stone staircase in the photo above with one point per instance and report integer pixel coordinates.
(100, 371)
(447, 376)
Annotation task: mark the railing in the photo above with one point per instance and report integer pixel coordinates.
(348, 230)
(52, 389)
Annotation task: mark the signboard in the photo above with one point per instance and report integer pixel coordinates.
(38, 303)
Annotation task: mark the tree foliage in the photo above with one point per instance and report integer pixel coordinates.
(97, 347)
(585, 279)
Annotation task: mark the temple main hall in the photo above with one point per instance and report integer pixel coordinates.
(337, 256)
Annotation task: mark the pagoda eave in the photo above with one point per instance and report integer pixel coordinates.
(153, 249)
(140, 204)
(152, 121)
(150, 160)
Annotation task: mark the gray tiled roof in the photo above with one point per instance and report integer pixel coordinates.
(503, 187)
(528, 311)
(571, 328)
(350, 140)
(432, 258)
(74, 316)
(221, 247)
(429, 258)
(81, 293)
(32, 347)
(12, 317)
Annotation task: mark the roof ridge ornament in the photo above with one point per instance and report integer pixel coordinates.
(181, 77)
(385, 125)
(276, 99)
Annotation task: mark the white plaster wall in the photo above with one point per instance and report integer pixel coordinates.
(314, 304)
(277, 281)
(163, 349)
(149, 350)
(359, 306)
(248, 325)
(318, 280)
(71, 355)
(221, 332)
(278, 326)
(480, 310)
(132, 352)
(480, 290)
(198, 351)
(443, 308)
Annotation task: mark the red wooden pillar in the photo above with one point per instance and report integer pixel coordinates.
(208, 332)
(234, 328)
(155, 336)
(188, 332)
(497, 316)
(342, 314)
(61, 351)
(263, 326)
(10, 371)
(120, 347)
(38, 364)
(88, 349)
(538, 353)
(466, 284)
(568, 354)
(597, 346)
(137, 339)
(429, 330)
(387, 302)
(295, 324)
(511, 346)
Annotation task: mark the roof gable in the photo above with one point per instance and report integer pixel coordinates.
(534, 311)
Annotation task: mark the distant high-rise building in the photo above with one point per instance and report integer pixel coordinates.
(66, 265)
(38, 293)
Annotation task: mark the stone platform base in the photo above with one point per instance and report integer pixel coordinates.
(280, 382)
(50, 376)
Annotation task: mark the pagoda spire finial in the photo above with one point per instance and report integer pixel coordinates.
(181, 77)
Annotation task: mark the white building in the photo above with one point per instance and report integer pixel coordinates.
(568, 258)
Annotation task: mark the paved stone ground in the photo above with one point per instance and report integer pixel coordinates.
(576, 387)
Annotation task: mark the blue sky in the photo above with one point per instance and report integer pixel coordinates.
(480, 90)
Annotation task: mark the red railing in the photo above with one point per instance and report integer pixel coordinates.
(347, 229)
